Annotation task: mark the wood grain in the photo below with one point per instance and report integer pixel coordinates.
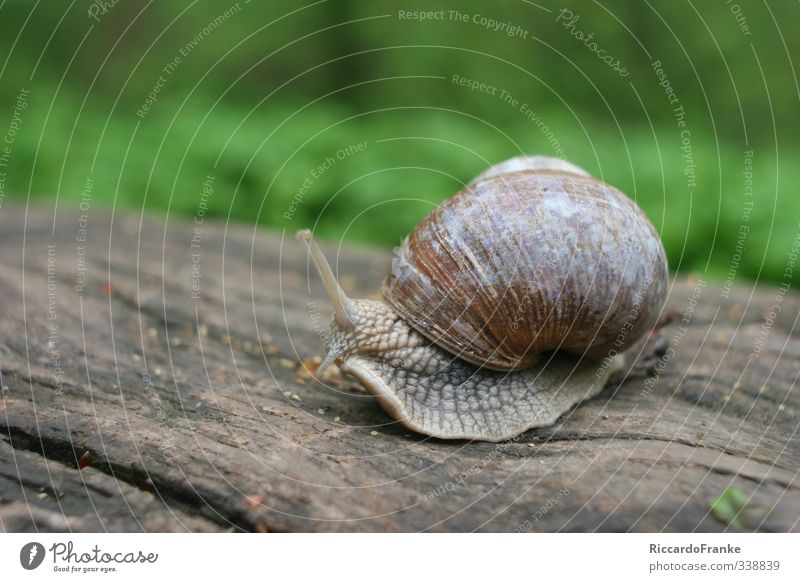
(129, 405)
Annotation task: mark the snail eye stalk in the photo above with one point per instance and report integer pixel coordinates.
(342, 306)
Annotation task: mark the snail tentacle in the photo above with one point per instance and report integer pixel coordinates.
(342, 306)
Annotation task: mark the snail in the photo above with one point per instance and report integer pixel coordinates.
(509, 304)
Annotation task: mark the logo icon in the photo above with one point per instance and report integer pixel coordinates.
(31, 555)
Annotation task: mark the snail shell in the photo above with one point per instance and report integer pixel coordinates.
(533, 255)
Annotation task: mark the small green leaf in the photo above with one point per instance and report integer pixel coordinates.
(729, 506)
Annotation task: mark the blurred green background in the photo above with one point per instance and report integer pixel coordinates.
(259, 96)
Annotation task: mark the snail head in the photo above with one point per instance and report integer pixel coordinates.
(358, 326)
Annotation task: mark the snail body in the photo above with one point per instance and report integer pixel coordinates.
(507, 304)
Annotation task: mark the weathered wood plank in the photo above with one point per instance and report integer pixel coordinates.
(42, 493)
(196, 414)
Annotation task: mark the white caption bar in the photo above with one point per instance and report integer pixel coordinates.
(402, 557)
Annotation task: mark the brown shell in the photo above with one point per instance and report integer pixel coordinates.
(528, 262)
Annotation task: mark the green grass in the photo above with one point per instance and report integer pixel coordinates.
(413, 159)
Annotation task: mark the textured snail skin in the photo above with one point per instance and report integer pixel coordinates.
(432, 392)
(527, 262)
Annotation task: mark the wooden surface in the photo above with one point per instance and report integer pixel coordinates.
(130, 406)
